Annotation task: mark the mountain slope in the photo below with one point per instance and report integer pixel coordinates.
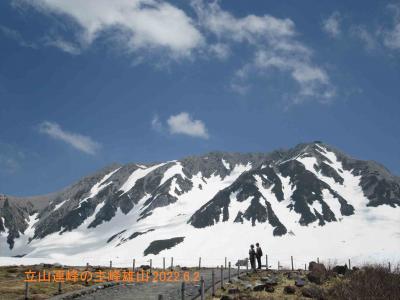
(312, 192)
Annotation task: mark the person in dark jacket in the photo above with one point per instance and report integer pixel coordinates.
(252, 256)
(259, 254)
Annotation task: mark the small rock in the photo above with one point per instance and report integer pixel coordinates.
(289, 289)
(248, 287)
(233, 291)
(270, 289)
(259, 287)
(270, 280)
(299, 282)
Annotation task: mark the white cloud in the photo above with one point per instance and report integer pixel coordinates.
(78, 141)
(139, 24)
(249, 28)
(332, 25)
(183, 123)
(156, 123)
(391, 37)
(275, 46)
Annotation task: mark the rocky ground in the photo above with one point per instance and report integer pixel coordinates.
(318, 282)
(370, 282)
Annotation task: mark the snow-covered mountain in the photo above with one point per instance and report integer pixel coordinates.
(308, 201)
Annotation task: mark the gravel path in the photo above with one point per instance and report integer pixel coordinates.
(151, 290)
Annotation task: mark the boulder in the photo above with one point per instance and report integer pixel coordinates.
(289, 289)
(299, 282)
(317, 273)
(340, 269)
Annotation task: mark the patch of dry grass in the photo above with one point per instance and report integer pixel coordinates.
(370, 282)
(12, 284)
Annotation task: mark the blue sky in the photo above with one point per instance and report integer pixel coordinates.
(87, 83)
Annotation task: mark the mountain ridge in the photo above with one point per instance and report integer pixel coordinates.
(311, 183)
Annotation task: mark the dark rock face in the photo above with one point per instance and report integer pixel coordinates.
(156, 247)
(115, 235)
(258, 188)
(14, 219)
(259, 210)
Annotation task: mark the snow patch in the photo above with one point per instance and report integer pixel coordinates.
(136, 175)
(59, 205)
(98, 187)
(226, 164)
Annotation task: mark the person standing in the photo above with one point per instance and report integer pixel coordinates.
(252, 256)
(259, 254)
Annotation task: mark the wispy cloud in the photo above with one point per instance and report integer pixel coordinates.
(391, 36)
(276, 47)
(331, 25)
(11, 158)
(60, 43)
(16, 36)
(156, 123)
(367, 38)
(183, 123)
(383, 38)
(78, 141)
